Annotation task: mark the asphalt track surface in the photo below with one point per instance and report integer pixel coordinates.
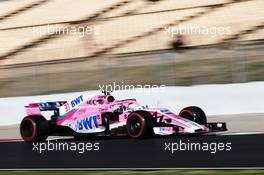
(245, 138)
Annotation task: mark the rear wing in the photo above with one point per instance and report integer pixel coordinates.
(36, 108)
(59, 107)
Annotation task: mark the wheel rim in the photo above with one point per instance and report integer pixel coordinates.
(136, 126)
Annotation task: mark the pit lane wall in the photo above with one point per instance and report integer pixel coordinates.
(222, 99)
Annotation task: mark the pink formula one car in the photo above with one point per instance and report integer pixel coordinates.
(103, 115)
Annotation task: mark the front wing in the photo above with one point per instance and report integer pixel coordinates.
(209, 127)
(217, 126)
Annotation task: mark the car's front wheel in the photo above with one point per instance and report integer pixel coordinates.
(34, 128)
(194, 113)
(140, 124)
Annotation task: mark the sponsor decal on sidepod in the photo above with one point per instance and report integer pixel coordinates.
(88, 123)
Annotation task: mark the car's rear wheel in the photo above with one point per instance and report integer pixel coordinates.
(194, 113)
(140, 124)
(34, 128)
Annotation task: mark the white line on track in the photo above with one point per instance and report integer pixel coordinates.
(11, 140)
(239, 133)
(69, 137)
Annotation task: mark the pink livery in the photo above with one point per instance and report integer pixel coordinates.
(103, 115)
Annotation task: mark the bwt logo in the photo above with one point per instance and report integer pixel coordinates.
(76, 101)
(87, 123)
(73, 103)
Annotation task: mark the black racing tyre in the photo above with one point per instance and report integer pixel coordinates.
(194, 113)
(34, 128)
(140, 124)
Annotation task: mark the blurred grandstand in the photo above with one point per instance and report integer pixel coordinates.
(127, 42)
